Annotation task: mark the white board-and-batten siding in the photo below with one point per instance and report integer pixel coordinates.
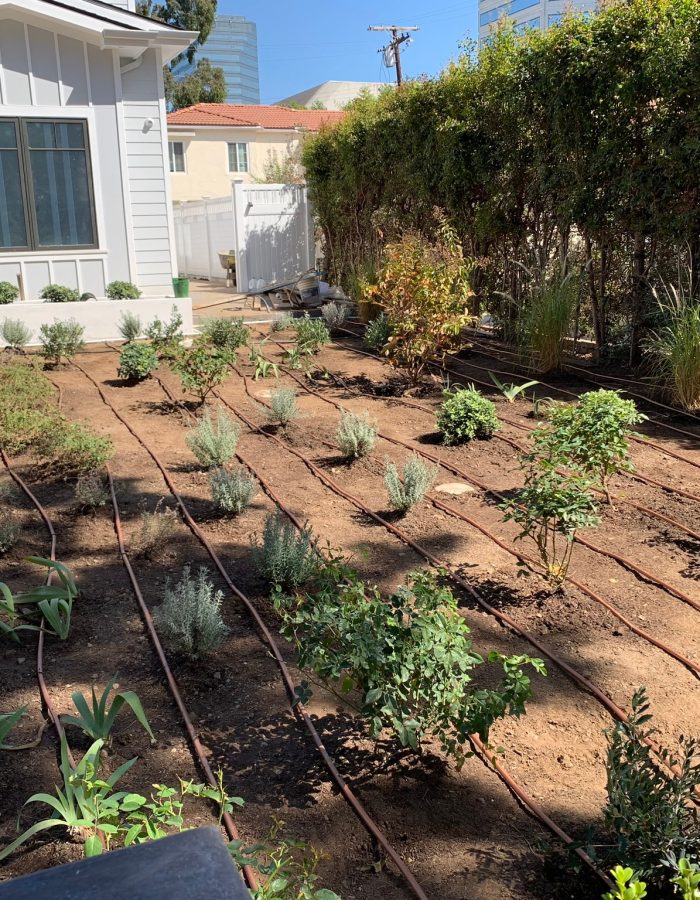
(55, 75)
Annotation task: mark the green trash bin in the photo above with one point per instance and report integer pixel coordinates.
(181, 286)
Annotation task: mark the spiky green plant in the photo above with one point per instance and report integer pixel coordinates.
(15, 333)
(417, 479)
(214, 440)
(547, 321)
(232, 491)
(286, 557)
(283, 407)
(190, 615)
(357, 434)
(675, 347)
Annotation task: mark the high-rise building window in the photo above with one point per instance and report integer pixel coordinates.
(176, 152)
(238, 157)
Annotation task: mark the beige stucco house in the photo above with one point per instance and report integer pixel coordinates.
(212, 144)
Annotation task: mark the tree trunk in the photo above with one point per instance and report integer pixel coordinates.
(638, 293)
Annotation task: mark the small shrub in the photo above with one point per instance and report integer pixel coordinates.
(77, 450)
(335, 314)
(155, 532)
(312, 334)
(214, 442)
(9, 534)
(286, 557)
(15, 333)
(232, 491)
(651, 813)
(59, 293)
(225, 334)
(90, 493)
(136, 362)
(283, 323)
(377, 333)
(283, 407)
(465, 415)
(122, 290)
(424, 289)
(357, 435)
(627, 886)
(166, 337)
(417, 479)
(130, 326)
(551, 507)
(190, 616)
(60, 341)
(8, 292)
(200, 371)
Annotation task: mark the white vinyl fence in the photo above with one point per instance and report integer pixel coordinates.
(267, 226)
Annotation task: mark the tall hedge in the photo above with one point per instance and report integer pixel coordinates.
(578, 146)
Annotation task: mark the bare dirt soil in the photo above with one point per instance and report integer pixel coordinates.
(462, 833)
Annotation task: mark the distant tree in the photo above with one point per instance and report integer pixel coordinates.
(293, 104)
(205, 85)
(317, 104)
(190, 15)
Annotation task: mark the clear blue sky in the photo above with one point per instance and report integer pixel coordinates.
(303, 43)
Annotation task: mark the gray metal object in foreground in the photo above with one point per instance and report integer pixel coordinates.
(194, 865)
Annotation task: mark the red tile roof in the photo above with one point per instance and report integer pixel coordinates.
(240, 115)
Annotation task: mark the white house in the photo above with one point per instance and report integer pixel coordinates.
(84, 183)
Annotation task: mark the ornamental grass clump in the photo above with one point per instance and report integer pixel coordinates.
(357, 434)
(190, 617)
(283, 407)
(466, 415)
(232, 491)
(675, 348)
(417, 480)
(286, 557)
(130, 326)
(547, 321)
(214, 440)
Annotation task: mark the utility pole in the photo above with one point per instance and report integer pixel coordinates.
(395, 43)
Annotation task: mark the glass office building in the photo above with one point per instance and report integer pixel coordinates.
(232, 46)
(527, 13)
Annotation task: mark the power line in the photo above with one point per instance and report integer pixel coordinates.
(392, 50)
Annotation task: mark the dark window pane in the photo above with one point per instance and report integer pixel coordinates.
(8, 134)
(62, 198)
(13, 228)
(70, 135)
(40, 134)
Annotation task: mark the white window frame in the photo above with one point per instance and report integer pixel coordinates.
(237, 169)
(171, 158)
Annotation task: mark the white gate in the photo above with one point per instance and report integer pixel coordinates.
(267, 226)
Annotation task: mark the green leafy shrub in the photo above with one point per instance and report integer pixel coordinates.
(8, 292)
(357, 434)
(409, 657)
(377, 332)
(549, 510)
(155, 532)
(15, 333)
(28, 413)
(283, 407)
(166, 337)
(547, 321)
(190, 616)
(225, 334)
(417, 479)
(59, 293)
(130, 326)
(335, 315)
(77, 450)
(651, 813)
(466, 415)
(60, 341)
(627, 886)
(232, 491)
(122, 290)
(591, 435)
(424, 290)
(90, 492)
(286, 557)
(312, 334)
(136, 362)
(214, 442)
(200, 371)
(688, 879)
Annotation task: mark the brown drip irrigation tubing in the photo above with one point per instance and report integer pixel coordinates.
(229, 824)
(621, 560)
(450, 510)
(297, 706)
(615, 711)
